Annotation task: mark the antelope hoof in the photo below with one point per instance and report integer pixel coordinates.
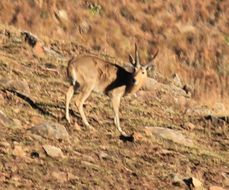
(68, 119)
(124, 137)
(90, 127)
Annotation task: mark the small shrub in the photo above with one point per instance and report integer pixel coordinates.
(226, 38)
(95, 8)
(32, 3)
(44, 14)
(223, 69)
(126, 13)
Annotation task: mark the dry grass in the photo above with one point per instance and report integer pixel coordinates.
(148, 163)
(192, 36)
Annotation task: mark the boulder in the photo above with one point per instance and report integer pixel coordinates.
(189, 126)
(103, 155)
(84, 27)
(226, 178)
(62, 15)
(170, 134)
(5, 121)
(5, 147)
(18, 151)
(60, 176)
(34, 42)
(178, 181)
(38, 49)
(194, 183)
(20, 86)
(53, 151)
(51, 130)
(176, 80)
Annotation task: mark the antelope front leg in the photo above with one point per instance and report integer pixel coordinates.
(115, 103)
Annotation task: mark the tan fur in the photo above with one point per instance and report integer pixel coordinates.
(89, 73)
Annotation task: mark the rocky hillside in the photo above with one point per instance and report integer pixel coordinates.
(192, 35)
(178, 144)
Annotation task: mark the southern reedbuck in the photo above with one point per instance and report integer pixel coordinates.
(89, 73)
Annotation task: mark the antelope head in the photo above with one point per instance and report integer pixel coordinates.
(140, 70)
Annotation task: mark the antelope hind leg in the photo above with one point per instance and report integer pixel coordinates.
(68, 98)
(81, 98)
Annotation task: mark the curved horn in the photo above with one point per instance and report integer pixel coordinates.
(151, 60)
(131, 60)
(137, 59)
(155, 54)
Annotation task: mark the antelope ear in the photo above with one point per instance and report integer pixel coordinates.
(149, 65)
(131, 60)
(150, 68)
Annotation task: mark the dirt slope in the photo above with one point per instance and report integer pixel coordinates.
(33, 85)
(192, 35)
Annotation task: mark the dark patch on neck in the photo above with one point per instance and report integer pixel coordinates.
(123, 78)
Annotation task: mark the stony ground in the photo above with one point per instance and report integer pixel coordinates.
(177, 144)
(192, 36)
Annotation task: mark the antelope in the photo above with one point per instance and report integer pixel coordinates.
(89, 73)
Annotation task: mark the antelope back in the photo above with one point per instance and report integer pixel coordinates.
(102, 76)
(96, 73)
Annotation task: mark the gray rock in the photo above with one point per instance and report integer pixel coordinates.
(60, 176)
(178, 181)
(5, 121)
(91, 165)
(151, 84)
(17, 85)
(53, 151)
(170, 134)
(195, 183)
(219, 107)
(5, 147)
(18, 151)
(84, 27)
(51, 130)
(103, 155)
(189, 126)
(199, 110)
(226, 178)
(176, 80)
(62, 15)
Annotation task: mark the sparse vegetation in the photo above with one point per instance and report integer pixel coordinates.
(33, 85)
(226, 37)
(95, 8)
(44, 14)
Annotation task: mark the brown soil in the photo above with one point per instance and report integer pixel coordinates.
(192, 37)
